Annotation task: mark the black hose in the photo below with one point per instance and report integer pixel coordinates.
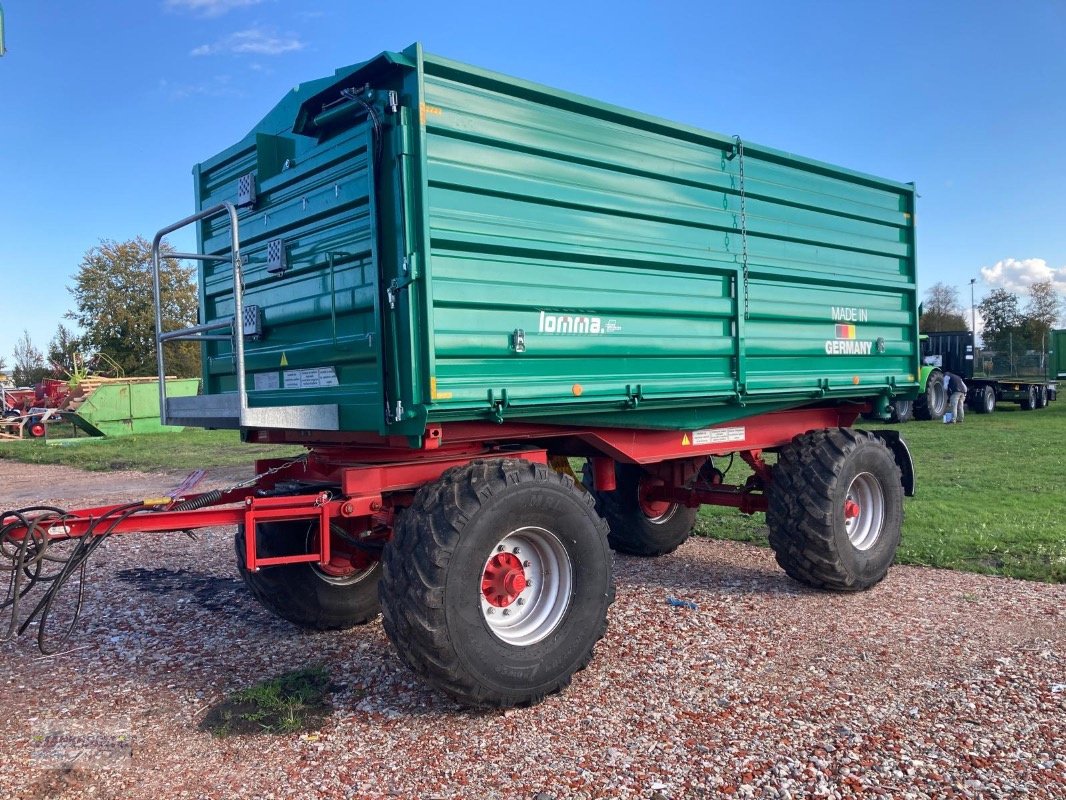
(25, 543)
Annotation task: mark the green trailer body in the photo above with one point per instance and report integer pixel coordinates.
(119, 408)
(492, 249)
(1057, 356)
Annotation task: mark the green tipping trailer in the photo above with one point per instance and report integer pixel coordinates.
(448, 284)
(1057, 360)
(119, 407)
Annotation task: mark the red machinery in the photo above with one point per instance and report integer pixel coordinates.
(349, 494)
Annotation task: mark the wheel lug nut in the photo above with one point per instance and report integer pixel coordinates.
(490, 610)
(517, 550)
(506, 611)
(499, 548)
(527, 564)
(521, 601)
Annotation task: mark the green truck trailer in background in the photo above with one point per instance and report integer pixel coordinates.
(1057, 357)
(449, 284)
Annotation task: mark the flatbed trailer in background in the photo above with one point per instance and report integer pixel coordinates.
(452, 286)
(1025, 377)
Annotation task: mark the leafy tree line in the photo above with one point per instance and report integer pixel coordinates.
(1009, 326)
(1006, 321)
(112, 291)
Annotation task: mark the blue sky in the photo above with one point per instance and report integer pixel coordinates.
(105, 106)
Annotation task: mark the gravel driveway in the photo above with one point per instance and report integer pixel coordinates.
(933, 684)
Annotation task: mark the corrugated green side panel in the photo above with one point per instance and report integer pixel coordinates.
(1057, 356)
(321, 314)
(500, 250)
(615, 244)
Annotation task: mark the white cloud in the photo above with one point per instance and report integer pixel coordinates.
(1017, 275)
(210, 8)
(253, 41)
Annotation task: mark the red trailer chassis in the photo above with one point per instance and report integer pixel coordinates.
(370, 480)
(353, 486)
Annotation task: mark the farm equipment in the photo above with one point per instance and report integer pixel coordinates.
(1027, 378)
(98, 406)
(455, 289)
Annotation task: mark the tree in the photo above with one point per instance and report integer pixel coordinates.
(113, 293)
(64, 351)
(1042, 312)
(29, 365)
(1002, 318)
(941, 310)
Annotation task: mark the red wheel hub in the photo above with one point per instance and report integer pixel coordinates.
(345, 559)
(851, 509)
(652, 509)
(503, 580)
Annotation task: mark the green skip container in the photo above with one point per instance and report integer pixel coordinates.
(423, 241)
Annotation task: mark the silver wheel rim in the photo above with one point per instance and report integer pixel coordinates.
(539, 607)
(665, 517)
(326, 577)
(866, 497)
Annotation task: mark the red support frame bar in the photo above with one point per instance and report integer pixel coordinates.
(368, 476)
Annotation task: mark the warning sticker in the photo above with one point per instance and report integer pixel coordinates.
(267, 380)
(310, 378)
(718, 435)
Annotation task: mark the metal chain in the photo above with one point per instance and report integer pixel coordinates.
(271, 471)
(743, 224)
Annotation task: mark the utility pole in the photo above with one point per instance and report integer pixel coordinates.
(973, 312)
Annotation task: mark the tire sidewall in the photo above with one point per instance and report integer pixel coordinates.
(869, 566)
(525, 669)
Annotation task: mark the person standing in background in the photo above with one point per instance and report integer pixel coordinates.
(957, 397)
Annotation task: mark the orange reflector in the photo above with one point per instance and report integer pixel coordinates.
(576, 389)
(855, 380)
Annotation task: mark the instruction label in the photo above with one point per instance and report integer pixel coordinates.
(310, 378)
(718, 435)
(266, 380)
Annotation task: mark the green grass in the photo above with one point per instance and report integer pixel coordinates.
(192, 448)
(990, 496)
(290, 703)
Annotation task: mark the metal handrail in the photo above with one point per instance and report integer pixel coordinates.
(196, 332)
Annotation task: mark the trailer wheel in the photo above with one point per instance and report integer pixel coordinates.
(902, 411)
(496, 584)
(835, 509)
(36, 428)
(1041, 397)
(1030, 401)
(639, 526)
(986, 400)
(933, 402)
(339, 595)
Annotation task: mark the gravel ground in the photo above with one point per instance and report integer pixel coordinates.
(933, 684)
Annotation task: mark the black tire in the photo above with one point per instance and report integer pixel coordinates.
(434, 597)
(304, 594)
(637, 528)
(932, 403)
(901, 411)
(1030, 401)
(35, 428)
(986, 400)
(1041, 399)
(815, 478)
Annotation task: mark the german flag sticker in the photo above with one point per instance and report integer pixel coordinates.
(845, 331)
